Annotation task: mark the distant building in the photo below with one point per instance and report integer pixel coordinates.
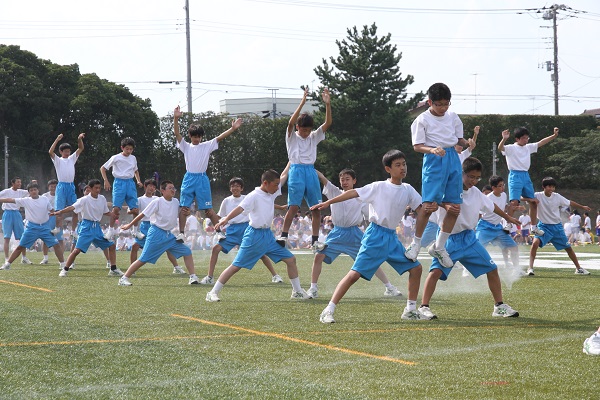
(264, 106)
(595, 112)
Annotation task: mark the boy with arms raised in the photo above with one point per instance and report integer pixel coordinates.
(92, 207)
(303, 182)
(435, 133)
(65, 172)
(345, 237)
(549, 203)
(387, 201)
(195, 182)
(36, 212)
(258, 238)
(463, 246)
(163, 211)
(124, 169)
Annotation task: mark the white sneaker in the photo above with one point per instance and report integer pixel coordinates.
(108, 265)
(109, 234)
(207, 280)
(392, 291)
(426, 313)
(115, 272)
(536, 231)
(220, 235)
(5, 266)
(442, 255)
(212, 297)
(327, 317)
(582, 271)
(591, 345)
(55, 231)
(43, 262)
(178, 270)
(124, 281)
(318, 246)
(313, 292)
(63, 273)
(301, 295)
(73, 266)
(276, 279)
(530, 272)
(25, 260)
(139, 235)
(412, 314)
(412, 252)
(504, 310)
(180, 238)
(281, 240)
(193, 280)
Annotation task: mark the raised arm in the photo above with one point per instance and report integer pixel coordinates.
(473, 141)
(63, 211)
(176, 114)
(53, 147)
(548, 139)
(80, 144)
(328, 119)
(347, 195)
(296, 114)
(500, 212)
(505, 136)
(577, 205)
(234, 127)
(322, 178)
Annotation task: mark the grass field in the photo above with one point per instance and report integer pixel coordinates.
(85, 337)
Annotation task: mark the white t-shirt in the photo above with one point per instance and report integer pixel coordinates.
(501, 201)
(143, 202)
(474, 203)
(347, 213)
(518, 158)
(466, 153)
(525, 221)
(191, 223)
(575, 221)
(197, 156)
(388, 201)
(163, 213)
(91, 208)
(122, 167)
(51, 199)
(36, 210)
(548, 207)
(228, 205)
(65, 167)
(435, 131)
(587, 223)
(12, 194)
(260, 207)
(303, 151)
(598, 220)
(408, 221)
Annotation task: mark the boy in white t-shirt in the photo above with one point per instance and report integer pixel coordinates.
(51, 195)
(195, 183)
(163, 212)
(549, 203)
(65, 173)
(12, 220)
(124, 169)
(36, 212)
(258, 238)
(92, 207)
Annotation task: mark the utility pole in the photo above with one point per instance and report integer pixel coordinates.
(189, 56)
(551, 14)
(274, 98)
(5, 161)
(494, 158)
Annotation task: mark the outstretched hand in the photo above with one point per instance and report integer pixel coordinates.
(60, 136)
(177, 112)
(505, 134)
(319, 206)
(81, 136)
(237, 123)
(326, 96)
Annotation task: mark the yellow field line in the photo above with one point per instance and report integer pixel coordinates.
(27, 286)
(102, 341)
(279, 336)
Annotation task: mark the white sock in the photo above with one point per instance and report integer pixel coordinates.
(217, 288)
(62, 264)
(331, 306)
(314, 286)
(388, 285)
(411, 305)
(45, 257)
(441, 240)
(416, 241)
(296, 284)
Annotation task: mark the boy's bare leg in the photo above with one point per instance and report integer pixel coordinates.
(172, 258)
(227, 274)
(533, 251)
(137, 264)
(316, 223)
(6, 248)
(116, 211)
(533, 212)
(214, 256)
(412, 251)
(573, 257)
(72, 257)
(382, 276)
(316, 269)
(15, 254)
(289, 217)
(112, 254)
(495, 285)
(430, 284)
(212, 215)
(345, 284)
(59, 253)
(414, 282)
(267, 261)
(189, 264)
(133, 253)
(183, 212)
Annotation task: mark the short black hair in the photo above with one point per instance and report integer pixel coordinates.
(391, 156)
(495, 180)
(128, 142)
(33, 185)
(269, 175)
(439, 91)
(16, 178)
(150, 181)
(52, 182)
(520, 132)
(548, 181)
(305, 120)
(471, 164)
(486, 187)
(163, 184)
(348, 171)
(196, 130)
(238, 180)
(94, 182)
(64, 146)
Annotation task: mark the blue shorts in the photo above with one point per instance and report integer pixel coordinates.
(303, 183)
(465, 247)
(160, 241)
(124, 191)
(52, 224)
(555, 234)
(91, 232)
(519, 185)
(234, 236)
(255, 244)
(65, 195)
(342, 240)
(34, 232)
(442, 178)
(12, 222)
(488, 233)
(195, 186)
(381, 244)
(429, 234)
(144, 227)
(524, 232)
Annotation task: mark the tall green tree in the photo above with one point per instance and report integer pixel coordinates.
(370, 105)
